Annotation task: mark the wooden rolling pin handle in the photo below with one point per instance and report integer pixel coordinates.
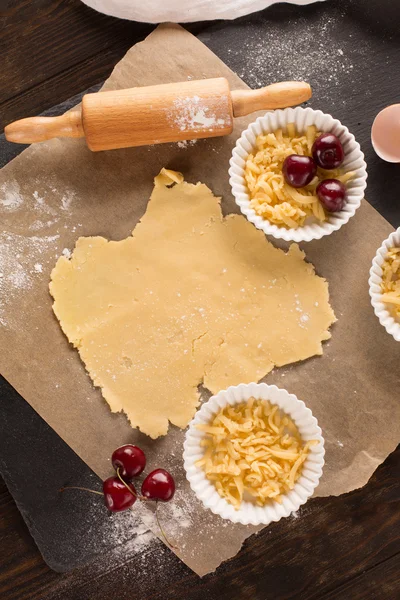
(276, 95)
(40, 129)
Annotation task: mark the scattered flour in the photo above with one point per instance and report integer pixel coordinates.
(39, 201)
(192, 113)
(24, 257)
(186, 143)
(175, 517)
(270, 56)
(41, 206)
(19, 265)
(37, 225)
(67, 253)
(67, 200)
(19, 279)
(128, 557)
(130, 532)
(10, 197)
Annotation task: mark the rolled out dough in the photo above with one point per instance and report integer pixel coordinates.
(191, 297)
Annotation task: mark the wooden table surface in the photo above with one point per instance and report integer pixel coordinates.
(346, 547)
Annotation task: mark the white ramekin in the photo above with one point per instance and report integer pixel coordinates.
(302, 117)
(248, 513)
(391, 325)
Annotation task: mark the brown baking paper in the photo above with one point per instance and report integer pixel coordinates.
(57, 191)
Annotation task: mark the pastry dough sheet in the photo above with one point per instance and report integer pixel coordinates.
(190, 298)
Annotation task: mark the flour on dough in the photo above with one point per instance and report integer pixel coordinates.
(191, 297)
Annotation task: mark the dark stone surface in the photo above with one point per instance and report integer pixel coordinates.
(361, 77)
(35, 463)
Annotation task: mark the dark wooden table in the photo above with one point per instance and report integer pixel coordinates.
(346, 547)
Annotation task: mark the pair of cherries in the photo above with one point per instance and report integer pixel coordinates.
(327, 153)
(129, 461)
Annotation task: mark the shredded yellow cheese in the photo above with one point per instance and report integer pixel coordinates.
(390, 285)
(252, 451)
(270, 196)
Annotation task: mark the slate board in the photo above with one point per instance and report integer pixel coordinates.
(282, 42)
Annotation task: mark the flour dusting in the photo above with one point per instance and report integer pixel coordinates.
(20, 263)
(175, 516)
(23, 258)
(37, 225)
(270, 56)
(10, 197)
(40, 205)
(193, 113)
(186, 143)
(123, 547)
(130, 532)
(67, 199)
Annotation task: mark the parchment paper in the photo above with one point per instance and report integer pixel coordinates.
(56, 191)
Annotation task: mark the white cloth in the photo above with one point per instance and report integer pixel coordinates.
(182, 11)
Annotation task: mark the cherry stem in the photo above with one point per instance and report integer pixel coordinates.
(162, 530)
(84, 489)
(128, 487)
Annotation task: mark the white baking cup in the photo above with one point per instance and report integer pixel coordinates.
(301, 117)
(391, 325)
(249, 513)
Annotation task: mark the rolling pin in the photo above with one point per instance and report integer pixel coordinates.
(157, 114)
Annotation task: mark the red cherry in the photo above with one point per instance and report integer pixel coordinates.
(130, 460)
(328, 151)
(332, 194)
(116, 495)
(298, 170)
(159, 485)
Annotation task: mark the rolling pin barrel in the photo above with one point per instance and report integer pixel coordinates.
(170, 112)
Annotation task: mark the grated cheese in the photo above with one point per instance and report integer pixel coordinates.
(390, 285)
(270, 196)
(252, 449)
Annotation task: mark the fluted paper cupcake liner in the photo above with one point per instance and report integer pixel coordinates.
(249, 513)
(302, 118)
(391, 324)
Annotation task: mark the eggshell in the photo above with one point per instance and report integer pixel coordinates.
(385, 134)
